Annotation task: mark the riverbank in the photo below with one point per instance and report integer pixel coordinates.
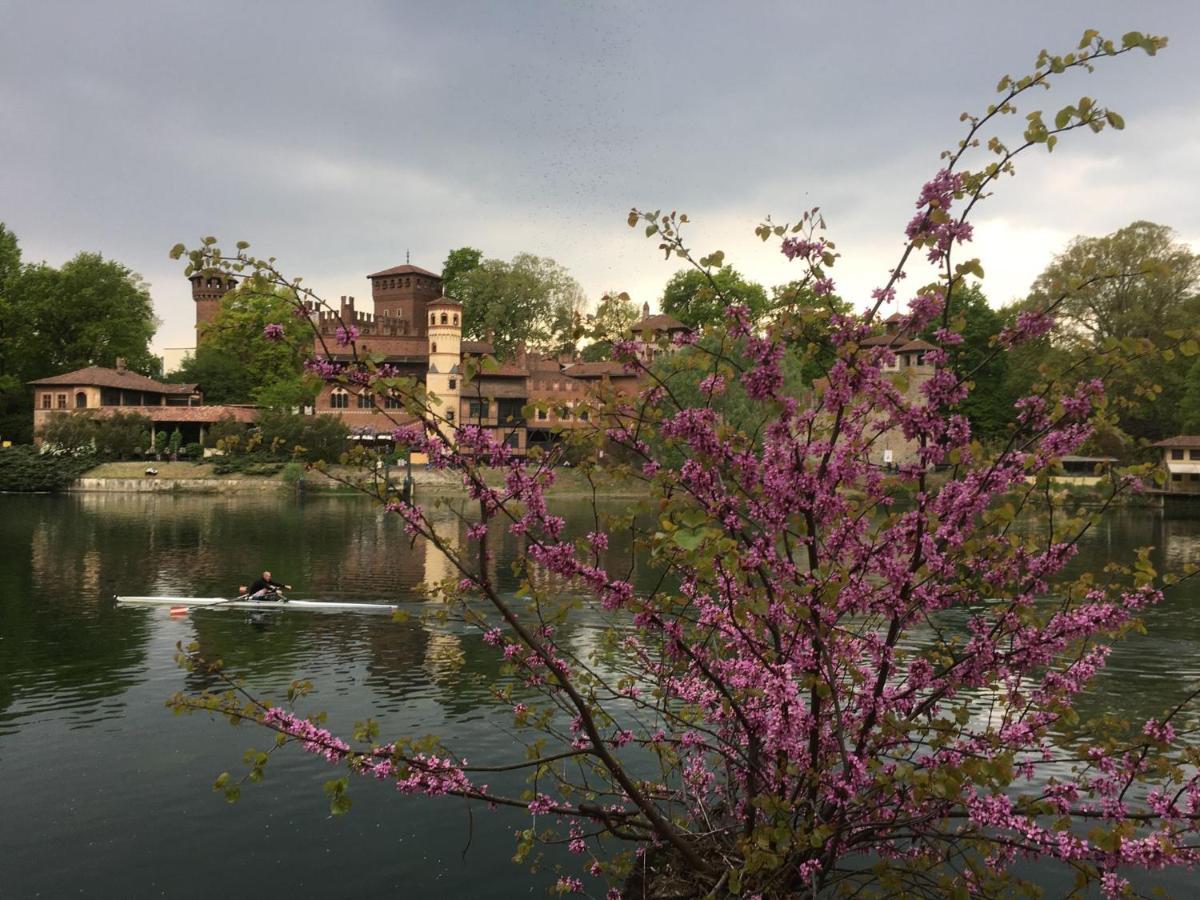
(201, 478)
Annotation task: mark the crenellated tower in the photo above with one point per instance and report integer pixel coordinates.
(207, 290)
(442, 321)
(401, 293)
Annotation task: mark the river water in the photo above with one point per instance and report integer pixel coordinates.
(104, 793)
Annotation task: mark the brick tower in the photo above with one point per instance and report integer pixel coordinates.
(401, 293)
(207, 290)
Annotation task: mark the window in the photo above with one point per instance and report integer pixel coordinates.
(62, 401)
(1175, 476)
(433, 348)
(391, 401)
(1194, 454)
(477, 409)
(81, 400)
(445, 319)
(583, 416)
(453, 384)
(46, 401)
(1176, 454)
(432, 319)
(450, 416)
(364, 401)
(511, 441)
(339, 399)
(541, 415)
(456, 318)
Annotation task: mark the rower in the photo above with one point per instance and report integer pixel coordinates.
(264, 588)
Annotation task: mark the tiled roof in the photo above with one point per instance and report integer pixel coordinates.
(660, 322)
(443, 301)
(405, 270)
(1180, 441)
(476, 347)
(595, 369)
(917, 344)
(100, 376)
(203, 414)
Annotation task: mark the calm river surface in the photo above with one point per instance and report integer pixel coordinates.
(104, 793)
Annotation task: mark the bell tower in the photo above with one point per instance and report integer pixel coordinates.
(207, 290)
(442, 321)
(401, 293)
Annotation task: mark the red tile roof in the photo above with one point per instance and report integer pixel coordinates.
(405, 270)
(100, 376)
(1180, 441)
(443, 301)
(660, 322)
(595, 369)
(203, 414)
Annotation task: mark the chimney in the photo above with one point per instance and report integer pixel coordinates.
(646, 310)
(121, 364)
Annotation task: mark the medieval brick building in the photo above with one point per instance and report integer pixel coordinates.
(418, 330)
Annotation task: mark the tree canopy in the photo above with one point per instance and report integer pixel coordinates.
(1133, 289)
(696, 301)
(236, 363)
(88, 312)
(615, 315)
(531, 299)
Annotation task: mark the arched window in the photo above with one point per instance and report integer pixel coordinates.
(445, 319)
(433, 348)
(81, 400)
(364, 401)
(432, 319)
(456, 318)
(339, 399)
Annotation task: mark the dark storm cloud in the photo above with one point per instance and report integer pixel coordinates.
(339, 136)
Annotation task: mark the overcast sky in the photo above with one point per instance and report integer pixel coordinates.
(338, 136)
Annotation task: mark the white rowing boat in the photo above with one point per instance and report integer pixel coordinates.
(290, 605)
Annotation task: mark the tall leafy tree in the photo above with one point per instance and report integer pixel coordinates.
(615, 315)
(91, 311)
(236, 362)
(531, 299)
(694, 300)
(1149, 293)
(458, 263)
(989, 406)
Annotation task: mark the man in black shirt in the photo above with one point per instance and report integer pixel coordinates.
(264, 588)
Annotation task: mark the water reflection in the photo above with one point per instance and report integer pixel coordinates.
(70, 659)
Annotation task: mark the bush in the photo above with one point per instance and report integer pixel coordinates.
(120, 434)
(312, 438)
(193, 451)
(27, 469)
(293, 472)
(69, 431)
(228, 434)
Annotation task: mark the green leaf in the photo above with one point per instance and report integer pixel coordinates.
(1114, 120)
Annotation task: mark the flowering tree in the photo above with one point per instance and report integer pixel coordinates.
(796, 707)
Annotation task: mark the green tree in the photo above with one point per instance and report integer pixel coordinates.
(1151, 292)
(52, 320)
(87, 313)
(458, 263)
(989, 406)
(531, 299)
(696, 301)
(236, 363)
(614, 317)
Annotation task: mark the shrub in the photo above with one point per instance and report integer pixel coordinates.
(69, 431)
(312, 438)
(27, 469)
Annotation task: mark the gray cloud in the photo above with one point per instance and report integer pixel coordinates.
(338, 137)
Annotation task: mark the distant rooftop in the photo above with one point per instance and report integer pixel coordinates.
(405, 270)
